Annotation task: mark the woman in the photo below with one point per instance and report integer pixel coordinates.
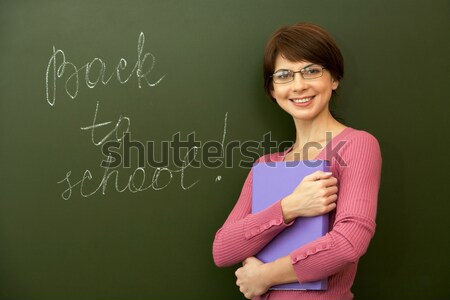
(302, 70)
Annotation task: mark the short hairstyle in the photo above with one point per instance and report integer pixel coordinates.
(302, 42)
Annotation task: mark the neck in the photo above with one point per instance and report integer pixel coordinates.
(314, 130)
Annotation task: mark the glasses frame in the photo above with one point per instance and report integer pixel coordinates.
(301, 71)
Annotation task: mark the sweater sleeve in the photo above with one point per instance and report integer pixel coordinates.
(354, 225)
(244, 234)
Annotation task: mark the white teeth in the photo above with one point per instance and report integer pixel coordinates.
(302, 100)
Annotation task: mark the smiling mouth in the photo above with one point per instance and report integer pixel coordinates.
(302, 100)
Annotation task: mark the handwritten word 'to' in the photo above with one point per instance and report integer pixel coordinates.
(58, 69)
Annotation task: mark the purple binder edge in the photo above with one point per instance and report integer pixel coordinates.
(271, 182)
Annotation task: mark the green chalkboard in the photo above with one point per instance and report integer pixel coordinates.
(87, 212)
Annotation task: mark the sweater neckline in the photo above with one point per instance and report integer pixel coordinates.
(281, 155)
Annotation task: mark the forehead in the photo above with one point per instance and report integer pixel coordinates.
(283, 63)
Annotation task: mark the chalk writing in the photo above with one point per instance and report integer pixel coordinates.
(90, 74)
(59, 65)
(156, 183)
(137, 180)
(115, 130)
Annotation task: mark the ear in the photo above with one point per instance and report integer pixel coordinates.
(272, 92)
(334, 84)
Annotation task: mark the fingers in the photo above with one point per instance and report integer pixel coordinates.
(324, 178)
(331, 190)
(318, 175)
(327, 187)
(250, 259)
(331, 199)
(330, 207)
(238, 276)
(246, 261)
(315, 195)
(328, 182)
(330, 194)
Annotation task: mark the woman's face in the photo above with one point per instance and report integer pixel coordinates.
(303, 99)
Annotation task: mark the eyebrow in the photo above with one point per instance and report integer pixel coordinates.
(291, 70)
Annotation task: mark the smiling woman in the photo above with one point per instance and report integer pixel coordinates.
(303, 67)
(312, 91)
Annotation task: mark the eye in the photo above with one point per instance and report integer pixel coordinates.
(312, 71)
(282, 74)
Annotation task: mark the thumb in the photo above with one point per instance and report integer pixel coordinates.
(318, 175)
(249, 260)
(245, 262)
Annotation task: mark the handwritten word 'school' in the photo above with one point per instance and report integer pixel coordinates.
(95, 72)
(137, 181)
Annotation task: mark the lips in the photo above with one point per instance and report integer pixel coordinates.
(304, 101)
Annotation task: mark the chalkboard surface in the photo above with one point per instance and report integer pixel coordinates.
(123, 125)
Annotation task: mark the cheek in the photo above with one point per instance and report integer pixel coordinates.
(279, 101)
(279, 93)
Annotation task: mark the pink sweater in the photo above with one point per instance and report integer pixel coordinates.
(356, 163)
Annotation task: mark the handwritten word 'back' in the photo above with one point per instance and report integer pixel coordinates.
(59, 69)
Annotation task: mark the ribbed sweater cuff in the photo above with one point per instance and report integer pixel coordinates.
(269, 219)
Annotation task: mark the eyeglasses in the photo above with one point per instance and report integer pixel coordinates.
(311, 71)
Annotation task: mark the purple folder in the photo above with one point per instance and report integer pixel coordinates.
(271, 182)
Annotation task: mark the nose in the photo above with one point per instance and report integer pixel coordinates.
(299, 83)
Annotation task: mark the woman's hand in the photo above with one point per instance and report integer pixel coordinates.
(315, 195)
(252, 278)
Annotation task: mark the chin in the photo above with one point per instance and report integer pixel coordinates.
(305, 115)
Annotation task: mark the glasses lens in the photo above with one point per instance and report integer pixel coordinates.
(283, 76)
(312, 72)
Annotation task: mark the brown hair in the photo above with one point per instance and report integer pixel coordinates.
(302, 42)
